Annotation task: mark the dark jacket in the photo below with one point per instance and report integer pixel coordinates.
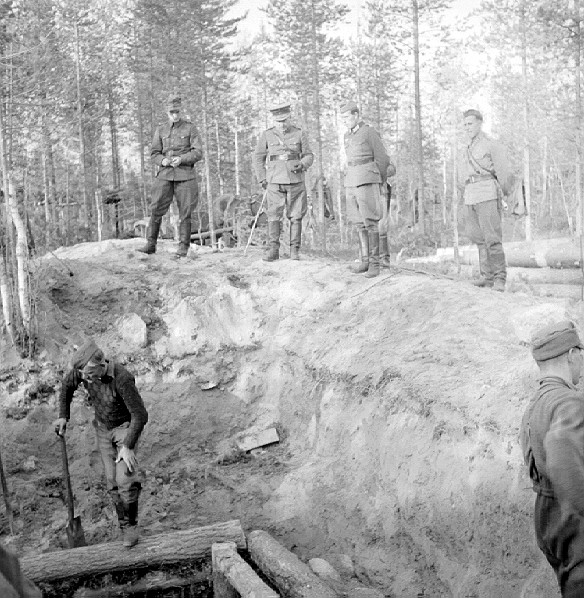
(176, 139)
(367, 159)
(114, 397)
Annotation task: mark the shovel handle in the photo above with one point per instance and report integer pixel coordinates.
(67, 477)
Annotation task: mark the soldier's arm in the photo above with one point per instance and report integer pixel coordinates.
(156, 149)
(126, 388)
(306, 155)
(259, 158)
(379, 153)
(564, 447)
(196, 149)
(502, 167)
(68, 388)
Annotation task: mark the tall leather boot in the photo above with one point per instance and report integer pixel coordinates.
(151, 235)
(384, 261)
(184, 243)
(486, 278)
(295, 239)
(373, 269)
(364, 252)
(130, 532)
(274, 239)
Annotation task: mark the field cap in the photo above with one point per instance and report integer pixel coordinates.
(554, 340)
(89, 351)
(349, 107)
(174, 102)
(281, 111)
(473, 112)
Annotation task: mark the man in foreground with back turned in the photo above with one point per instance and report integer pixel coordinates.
(552, 440)
(120, 417)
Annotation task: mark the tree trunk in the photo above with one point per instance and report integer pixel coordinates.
(293, 578)
(206, 157)
(6, 296)
(219, 174)
(455, 192)
(21, 250)
(170, 547)
(526, 125)
(316, 95)
(418, 108)
(86, 209)
(233, 577)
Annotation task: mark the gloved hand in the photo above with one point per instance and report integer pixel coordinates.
(264, 184)
(175, 161)
(297, 167)
(60, 426)
(165, 162)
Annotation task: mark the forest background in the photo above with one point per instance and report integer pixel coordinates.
(84, 85)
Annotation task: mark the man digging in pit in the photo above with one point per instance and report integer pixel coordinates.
(120, 417)
(552, 439)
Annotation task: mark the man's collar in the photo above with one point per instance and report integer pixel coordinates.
(357, 127)
(545, 379)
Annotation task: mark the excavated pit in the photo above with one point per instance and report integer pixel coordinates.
(397, 402)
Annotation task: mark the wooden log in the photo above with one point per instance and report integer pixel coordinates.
(206, 235)
(289, 574)
(545, 276)
(233, 577)
(258, 439)
(170, 547)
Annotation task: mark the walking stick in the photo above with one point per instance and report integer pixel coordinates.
(255, 221)
(9, 514)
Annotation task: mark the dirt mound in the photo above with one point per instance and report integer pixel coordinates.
(398, 402)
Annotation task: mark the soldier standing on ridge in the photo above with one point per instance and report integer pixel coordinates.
(176, 147)
(120, 417)
(367, 166)
(552, 439)
(483, 177)
(281, 156)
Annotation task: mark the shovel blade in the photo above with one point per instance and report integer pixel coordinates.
(75, 535)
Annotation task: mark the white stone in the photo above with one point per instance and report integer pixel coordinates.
(132, 329)
(324, 570)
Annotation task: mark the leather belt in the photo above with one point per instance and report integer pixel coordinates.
(474, 178)
(284, 157)
(360, 161)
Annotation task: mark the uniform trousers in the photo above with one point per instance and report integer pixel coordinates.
(185, 192)
(121, 483)
(291, 197)
(560, 537)
(483, 226)
(364, 206)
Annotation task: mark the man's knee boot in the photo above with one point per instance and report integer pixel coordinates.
(184, 243)
(373, 269)
(363, 252)
(152, 235)
(274, 240)
(295, 239)
(384, 260)
(130, 532)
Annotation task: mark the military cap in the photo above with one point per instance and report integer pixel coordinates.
(174, 102)
(349, 107)
(281, 111)
(554, 340)
(89, 351)
(473, 112)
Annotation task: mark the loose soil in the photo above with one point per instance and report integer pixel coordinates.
(397, 400)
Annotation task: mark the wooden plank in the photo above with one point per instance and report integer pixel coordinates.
(292, 577)
(170, 547)
(206, 235)
(233, 577)
(251, 441)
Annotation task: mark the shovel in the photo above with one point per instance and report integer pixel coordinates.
(75, 535)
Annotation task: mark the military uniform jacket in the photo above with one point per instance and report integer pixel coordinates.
(552, 439)
(483, 167)
(367, 159)
(176, 139)
(278, 154)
